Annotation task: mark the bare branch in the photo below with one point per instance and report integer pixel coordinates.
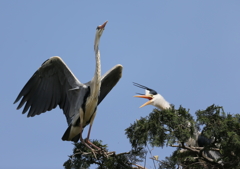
(186, 147)
(195, 149)
(107, 154)
(139, 167)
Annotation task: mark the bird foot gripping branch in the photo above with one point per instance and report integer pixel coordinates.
(100, 152)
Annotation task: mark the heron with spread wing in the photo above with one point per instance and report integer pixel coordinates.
(54, 84)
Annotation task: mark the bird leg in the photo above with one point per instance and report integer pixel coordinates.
(81, 131)
(88, 141)
(89, 131)
(82, 140)
(93, 145)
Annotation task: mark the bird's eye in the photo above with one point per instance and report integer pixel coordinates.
(98, 28)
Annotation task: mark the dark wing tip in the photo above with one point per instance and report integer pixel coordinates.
(17, 99)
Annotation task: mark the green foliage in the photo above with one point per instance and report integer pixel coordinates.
(224, 130)
(168, 163)
(162, 128)
(176, 128)
(168, 127)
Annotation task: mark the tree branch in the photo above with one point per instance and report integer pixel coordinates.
(186, 147)
(197, 148)
(138, 166)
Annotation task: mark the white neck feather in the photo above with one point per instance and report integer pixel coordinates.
(96, 81)
(97, 75)
(160, 102)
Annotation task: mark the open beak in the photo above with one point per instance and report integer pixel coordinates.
(103, 25)
(145, 97)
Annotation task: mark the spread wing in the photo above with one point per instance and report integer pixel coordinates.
(109, 80)
(48, 87)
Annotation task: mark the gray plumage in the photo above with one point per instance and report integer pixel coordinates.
(54, 84)
(200, 141)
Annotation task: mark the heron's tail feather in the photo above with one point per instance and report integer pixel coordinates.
(66, 134)
(71, 134)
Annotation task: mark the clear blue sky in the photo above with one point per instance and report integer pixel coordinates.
(188, 51)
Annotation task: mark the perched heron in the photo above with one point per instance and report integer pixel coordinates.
(54, 84)
(201, 141)
(154, 98)
(158, 101)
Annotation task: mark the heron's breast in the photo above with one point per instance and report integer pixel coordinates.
(91, 106)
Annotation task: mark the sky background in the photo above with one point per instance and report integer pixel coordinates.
(188, 51)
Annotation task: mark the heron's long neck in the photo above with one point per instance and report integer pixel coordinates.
(97, 75)
(96, 81)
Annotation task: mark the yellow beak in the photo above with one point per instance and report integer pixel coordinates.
(145, 97)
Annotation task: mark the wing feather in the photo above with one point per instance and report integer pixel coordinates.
(47, 88)
(53, 100)
(26, 94)
(25, 90)
(37, 101)
(109, 80)
(46, 95)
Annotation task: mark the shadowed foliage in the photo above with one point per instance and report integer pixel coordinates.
(83, 158)
(220, 134)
